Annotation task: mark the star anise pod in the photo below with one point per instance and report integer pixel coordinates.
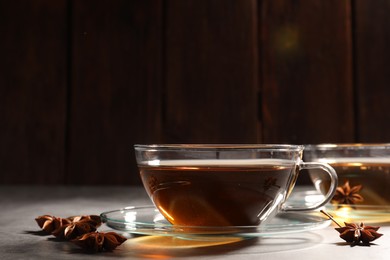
(93, 219)
(74, 229)
(69, 228)
(50, 223)
(347, 195)
(99, 241)
(78, 226)
(356, 233)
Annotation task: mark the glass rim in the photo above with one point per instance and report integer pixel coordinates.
(346, 146)
(210, 147)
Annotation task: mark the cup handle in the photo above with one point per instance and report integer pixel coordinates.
(333, 185)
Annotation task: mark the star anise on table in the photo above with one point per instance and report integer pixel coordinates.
(81, 230)
(50, 223)
(74, 229)
(355, 233)
(99, 241)
(68, 228)
(347, 195)
(93, 219)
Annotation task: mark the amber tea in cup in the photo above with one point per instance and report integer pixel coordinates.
(223, 185)
(365, 168)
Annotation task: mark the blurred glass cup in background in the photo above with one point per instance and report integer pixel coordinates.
(364, 178)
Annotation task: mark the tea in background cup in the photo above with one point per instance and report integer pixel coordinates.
(363, 166)
(224, 185)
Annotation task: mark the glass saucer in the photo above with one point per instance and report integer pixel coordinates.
(147, 220)
(369, 214)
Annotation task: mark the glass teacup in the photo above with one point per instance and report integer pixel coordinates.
(224, 185)
(364, 178)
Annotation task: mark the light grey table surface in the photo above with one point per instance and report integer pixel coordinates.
(20, 239)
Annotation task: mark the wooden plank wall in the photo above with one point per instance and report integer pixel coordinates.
(82, 81)
(116, 87)
(372, 70)
(307, 71)
(33, 83)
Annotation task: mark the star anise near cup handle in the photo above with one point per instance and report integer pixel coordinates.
(355, 233)
(348, 195)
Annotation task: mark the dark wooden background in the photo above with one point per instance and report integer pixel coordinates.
(82, 81)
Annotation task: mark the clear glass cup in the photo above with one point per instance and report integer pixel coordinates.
(363, 166)
(224, 185)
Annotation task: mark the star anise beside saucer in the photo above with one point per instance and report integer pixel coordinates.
(355, 233)
(99, 241)
(81, 230)
(50, 223)
(74, 229)
(93, 219)
(68, 228)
